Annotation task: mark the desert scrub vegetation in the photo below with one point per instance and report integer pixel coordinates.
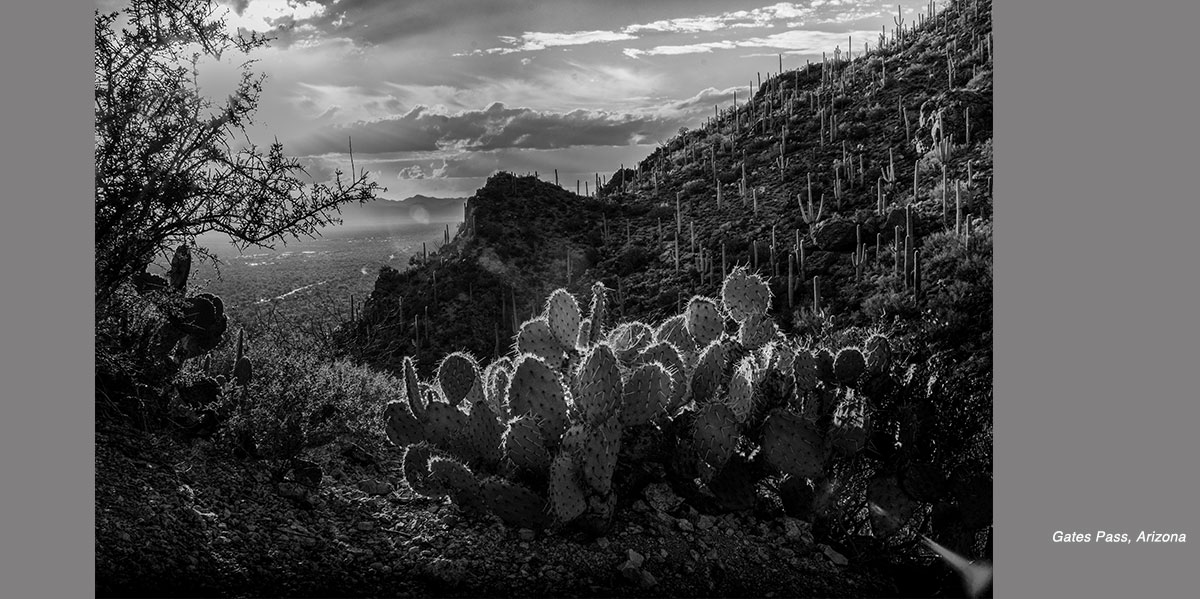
(846, 427)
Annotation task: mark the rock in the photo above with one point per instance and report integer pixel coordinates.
(635, 559)
(835, 235)
(602, 542)
(357, 455)
(526, 534)
(797, 530)
(641, 506)
(705, 522)
(834, 556)
(685, 526)
(648, 580)
(365, 526)
(661, 497)
(306, 472)
(374, 487)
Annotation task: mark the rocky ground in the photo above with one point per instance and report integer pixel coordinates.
(187, 519)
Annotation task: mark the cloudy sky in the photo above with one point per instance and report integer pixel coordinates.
(438, 94)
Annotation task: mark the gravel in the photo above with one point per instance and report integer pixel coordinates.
(178, 519)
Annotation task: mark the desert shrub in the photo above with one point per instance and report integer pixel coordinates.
(298, 401)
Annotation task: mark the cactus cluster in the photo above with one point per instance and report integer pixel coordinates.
(718, 393)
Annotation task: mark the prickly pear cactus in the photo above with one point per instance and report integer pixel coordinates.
(563, 317)
(598, 385)
(794, 445)
(879, 354)
(537, 338)
(458, 374)
(646, 395)
(536, 389)
(568, 499)
(514, 504)
(416, 470)
(745, 294)
(460, 483)
(537, 437)
(849, 365)
(710, 369)
(703, 321)
(524, 445)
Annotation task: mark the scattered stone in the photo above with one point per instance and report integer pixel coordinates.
(834, 556)
(641, 506)
(526, 534)
(661, 497)
(356, 454)
(365, 526)
(602, 542)
(635, 559)
(685, 526)
(374, 487)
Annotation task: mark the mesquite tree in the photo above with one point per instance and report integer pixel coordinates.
(171, 163)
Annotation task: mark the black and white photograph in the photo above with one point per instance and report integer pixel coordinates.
(608, 298)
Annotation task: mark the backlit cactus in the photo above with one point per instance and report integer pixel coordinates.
(849, 365)
(536, 437)
(744, 294)
(703, 321)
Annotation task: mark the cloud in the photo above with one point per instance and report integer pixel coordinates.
(759, 17)
(531, 40)
(795, 41)
(496, 127)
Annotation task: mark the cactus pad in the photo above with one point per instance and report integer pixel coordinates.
(458, 374)
(567, 497)
(460, 484)
(598, 457)
(805, 370)
(481, 438)
(674, 331)
(741, 390)
(745, 294)
(715, 432)
(706, 378)
(664, 353)
(849, 365)
(703, 321)
(879, 354)
(646, 394)
(538, 339)
(402, 427)
(416, 470)
(597, 314)
(412, 388)
(536, 389)
(563, 316)
(629, 339)
(598, 385)
(825, 366)
(756, 331)
(516, 505)
(793, 445)
(523, 445)
(444, 425)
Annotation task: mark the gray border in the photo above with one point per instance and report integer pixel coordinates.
(1096, 294)
(1094, 323)
(46, 360)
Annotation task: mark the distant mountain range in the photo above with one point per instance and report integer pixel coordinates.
(418, 208)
